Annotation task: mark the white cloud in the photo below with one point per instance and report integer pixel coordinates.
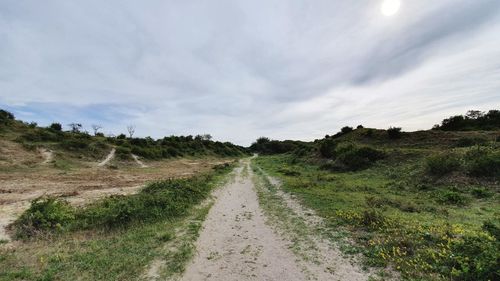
(242, 69)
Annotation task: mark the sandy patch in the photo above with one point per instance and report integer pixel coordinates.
(108, 158)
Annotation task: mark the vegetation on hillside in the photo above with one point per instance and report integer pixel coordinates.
(425, 203)
(473, 120)
(83, 145)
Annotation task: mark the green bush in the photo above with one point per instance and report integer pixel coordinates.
(394, 133)
(483, 163)
(327, 147)
(452, 197)
(44, 215)
(123, 153)
(346, 129)
(40, 135)
(493, 229)
(5, 116)
(74, 144)
(482, 193)
(56, 127)
(352, 157)
(475, 258)
(372, 218)
(466, 142)
(442, 164)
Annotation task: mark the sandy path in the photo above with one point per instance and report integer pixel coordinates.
(48, 155)
(110, 156)
(139, 162)
(237, 244)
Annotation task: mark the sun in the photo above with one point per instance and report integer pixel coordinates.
(390, 7)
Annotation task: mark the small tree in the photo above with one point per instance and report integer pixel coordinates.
(346, 130)
(56, 127)
(206, 137)
(131, 130)
(96, 128)
(5, 115)
(75, 127)
(474, 114)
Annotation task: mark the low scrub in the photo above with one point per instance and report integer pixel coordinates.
(442, 164)
(452, 197)
(483, 163)
(470, 141)
(394, 133)
(351, 157)
(123, 153)
(45, 215)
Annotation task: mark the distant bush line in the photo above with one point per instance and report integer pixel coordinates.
(97, 145)
(474, 120)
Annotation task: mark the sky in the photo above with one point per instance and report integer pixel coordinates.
(244, 69)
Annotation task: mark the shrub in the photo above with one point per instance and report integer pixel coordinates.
(44, 214)
(394, 132)
(56, 127)
(442, 164)
(465, 142)
(359, 127)
(372, 218)
(327, 148)
(483, 163)
(475, 258)
(74, 144)
(6, 116)
(352, 157)
(482, 193)
(346, 130)
(492, 228)
(123, 153)
(452, 197)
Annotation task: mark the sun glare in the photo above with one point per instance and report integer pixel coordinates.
(390, 7)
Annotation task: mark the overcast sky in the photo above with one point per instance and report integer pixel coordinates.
(242, 69)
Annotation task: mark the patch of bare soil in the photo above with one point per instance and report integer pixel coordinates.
(139, 162)
(108, 158)
(20, 185)
(47, 155)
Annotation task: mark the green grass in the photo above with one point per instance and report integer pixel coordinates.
(426, 229)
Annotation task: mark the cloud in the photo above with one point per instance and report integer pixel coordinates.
(242, 69)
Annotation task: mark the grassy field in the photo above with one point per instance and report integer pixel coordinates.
(112, 239)
(427, 227)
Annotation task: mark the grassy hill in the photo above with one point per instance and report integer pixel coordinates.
(425, 203)
(85, 147)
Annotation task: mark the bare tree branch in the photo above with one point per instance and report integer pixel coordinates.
(131, 130)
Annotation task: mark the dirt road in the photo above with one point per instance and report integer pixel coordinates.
(237, 242)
